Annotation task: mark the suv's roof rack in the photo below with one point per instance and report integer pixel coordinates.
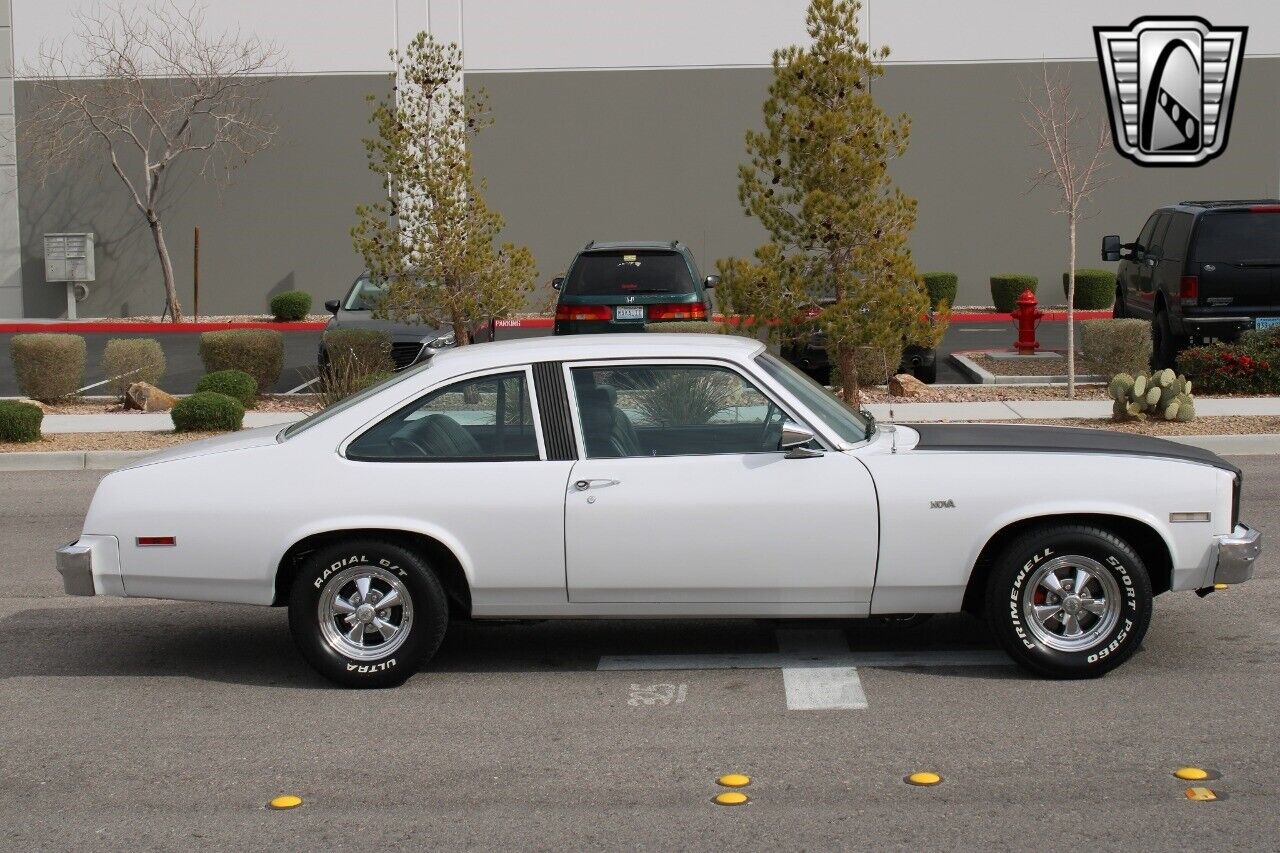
(1230, 202)
(590, 243)
(675, 244)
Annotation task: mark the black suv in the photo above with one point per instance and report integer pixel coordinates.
(1200, 271)
(626, 287)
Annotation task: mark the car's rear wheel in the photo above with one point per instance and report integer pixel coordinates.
(1069, 601)
(927, 372)
(367, 613)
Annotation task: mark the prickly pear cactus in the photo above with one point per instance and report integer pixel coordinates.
(1186, 409)
(1119, 387)
(1139, 387)
(1163, 394)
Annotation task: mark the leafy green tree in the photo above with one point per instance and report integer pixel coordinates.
(434, 241)
(818, 181)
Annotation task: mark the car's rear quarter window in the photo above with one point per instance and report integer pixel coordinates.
(1237, 236)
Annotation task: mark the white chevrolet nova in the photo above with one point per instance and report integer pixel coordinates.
(659, 476)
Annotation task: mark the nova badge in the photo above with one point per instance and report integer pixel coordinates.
(947, 504)
(1170, 84)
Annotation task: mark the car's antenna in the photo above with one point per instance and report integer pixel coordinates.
(893, 430)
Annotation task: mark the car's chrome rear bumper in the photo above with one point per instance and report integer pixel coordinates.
(1237, 554)
(75, 564)
(91, 566)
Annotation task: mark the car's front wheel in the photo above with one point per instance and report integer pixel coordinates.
(367, 613)
(1069, 601)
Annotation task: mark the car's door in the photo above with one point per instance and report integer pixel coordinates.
(1130, 270)
(682, 496)
(468, 463)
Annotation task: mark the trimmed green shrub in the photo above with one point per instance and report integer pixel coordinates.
(1116, 346)
(48, 367)
(704, 326)
(129, 360)
(207, 411)
(1005, 289)
(258, 352)
(236, 384)
(363, 352)
(290, 306)
(1095, 289)
(942, 287)
(20, 421)
(1241, 368)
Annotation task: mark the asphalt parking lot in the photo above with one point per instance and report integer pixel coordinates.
(184, 369)
(160, 724)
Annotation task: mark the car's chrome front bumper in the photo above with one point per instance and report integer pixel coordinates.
(75, 564)
(1237, 553)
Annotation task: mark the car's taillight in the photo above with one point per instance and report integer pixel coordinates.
(144, 541)
(583, 312)
(1265, 208)
(689, 311)
(1189, 289)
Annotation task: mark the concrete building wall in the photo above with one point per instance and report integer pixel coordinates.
(592, 141)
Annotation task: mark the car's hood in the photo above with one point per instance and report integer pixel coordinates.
(218, 444)
(1027, 438)
(399, 331)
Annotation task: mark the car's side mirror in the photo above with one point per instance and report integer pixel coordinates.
(332, 306)
(711, 281)
(1111, 247)
(793, 440)
(557, 282)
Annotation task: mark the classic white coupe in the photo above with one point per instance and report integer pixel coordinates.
(659, 476)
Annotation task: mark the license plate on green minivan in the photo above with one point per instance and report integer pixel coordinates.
(629, 312)
(1266, 323)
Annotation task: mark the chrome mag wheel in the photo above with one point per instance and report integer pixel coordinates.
(1071, 603)
(365, 613)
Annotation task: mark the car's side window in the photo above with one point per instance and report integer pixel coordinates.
(672, 410)
(485, 419)
(1144, 238)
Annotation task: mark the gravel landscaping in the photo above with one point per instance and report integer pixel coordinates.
(986, 393)
(104, 441)
(100, 406)
(1217, 425)
(1038, 366)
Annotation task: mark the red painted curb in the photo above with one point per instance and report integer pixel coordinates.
(89, 327)
(108, 327)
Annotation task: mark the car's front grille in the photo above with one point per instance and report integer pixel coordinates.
(405, 353)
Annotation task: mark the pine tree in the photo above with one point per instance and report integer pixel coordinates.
(818, 182)
(434, 241)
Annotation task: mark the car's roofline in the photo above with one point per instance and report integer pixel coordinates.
(616, 245)
(590, 347)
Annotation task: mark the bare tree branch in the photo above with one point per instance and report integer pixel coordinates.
(148, 87)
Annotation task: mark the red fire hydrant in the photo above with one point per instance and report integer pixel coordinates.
(1028, 318)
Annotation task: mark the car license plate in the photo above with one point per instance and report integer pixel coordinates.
(1266, 323)
(629, 312)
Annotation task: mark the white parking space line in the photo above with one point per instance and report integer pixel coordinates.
(981, 328)
(818, 670)
(306, 384)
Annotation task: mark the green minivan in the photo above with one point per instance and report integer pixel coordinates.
(630, 286)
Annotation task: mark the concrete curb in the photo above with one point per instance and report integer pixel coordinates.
(71, 460)
(980, 376)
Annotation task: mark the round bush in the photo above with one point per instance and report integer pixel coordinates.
(290, 306)
(207, 411)
(236, 384)
(258, 352)
(1005, 290)
(48, 367)
(19, 421)
(942, 288)
(129, 360)
(1095, 289)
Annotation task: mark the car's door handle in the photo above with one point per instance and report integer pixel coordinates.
(583, 485)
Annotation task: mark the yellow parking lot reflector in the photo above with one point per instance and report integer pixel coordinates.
(287, 801)
(731, 798)
(1222, 586)
(1191, 774)
(924, 779)
(1200, 794)
(734, 780)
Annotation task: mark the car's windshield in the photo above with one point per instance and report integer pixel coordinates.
(342, 405)
(845, 421)
(364, 294)
(1238, 237)
(629, 271)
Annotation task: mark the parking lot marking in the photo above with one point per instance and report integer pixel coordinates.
(1191, 774)
(731, 798)
(734, 780)
(818, 670)
(923, 779)
(1201, 794)
(287, 801)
